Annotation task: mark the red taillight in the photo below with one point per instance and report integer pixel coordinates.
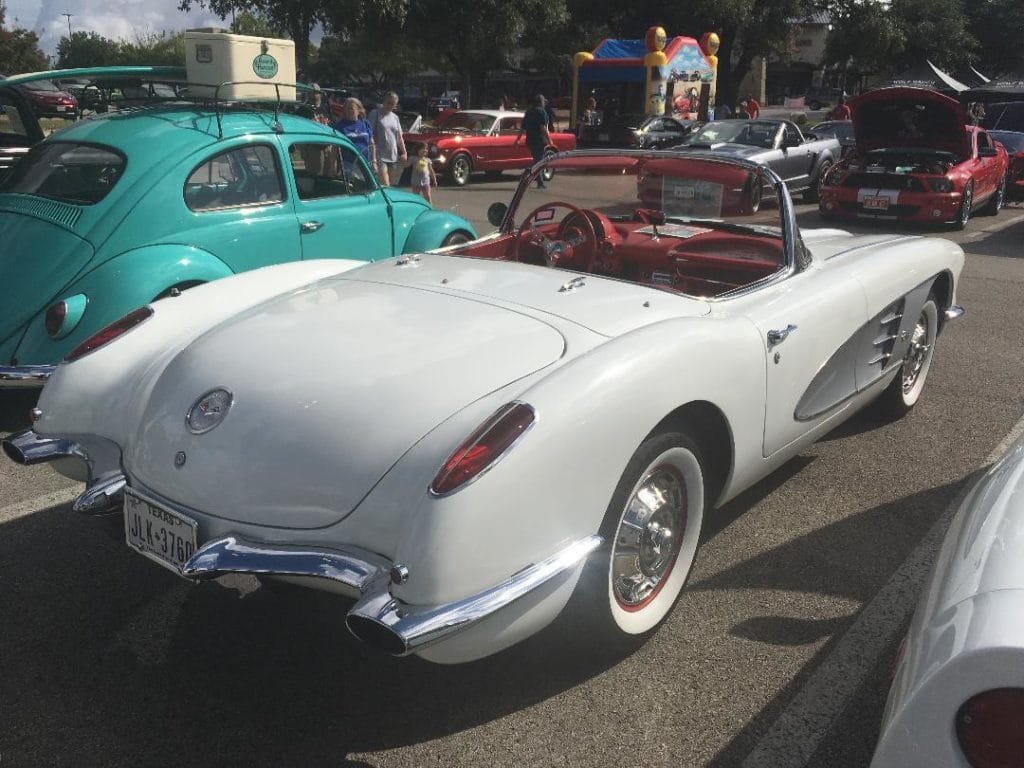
(111, 332)
(54, 319)
(483, 447)
(988, 727)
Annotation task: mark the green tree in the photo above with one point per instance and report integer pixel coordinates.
(87, 49)
(19, 48)
(253, 24)
(476, 37)
(373, 57)
(998, 26)
(157, 49)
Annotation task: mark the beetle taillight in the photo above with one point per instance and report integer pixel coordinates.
(482, 448)
(54, 319)
(988, 728)
(111, 332)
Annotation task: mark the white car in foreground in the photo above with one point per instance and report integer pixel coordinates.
(464, 441)
(957, 699)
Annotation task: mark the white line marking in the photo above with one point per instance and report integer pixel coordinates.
(796, 734)
(37, 503)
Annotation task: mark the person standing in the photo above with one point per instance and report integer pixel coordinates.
(356, 128)
(316, 109)
(841, 111)
(423, 177)
(387, 136)
(535, 126)
(751, 107)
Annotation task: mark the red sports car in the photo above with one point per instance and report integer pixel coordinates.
(915, 160)
(1013, 142)
(484, 140)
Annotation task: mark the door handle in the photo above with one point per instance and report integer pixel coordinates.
(777, 337)
(310, 226)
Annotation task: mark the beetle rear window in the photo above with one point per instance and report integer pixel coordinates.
(80, 174)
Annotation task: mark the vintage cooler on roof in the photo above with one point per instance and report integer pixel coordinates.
(252, 64)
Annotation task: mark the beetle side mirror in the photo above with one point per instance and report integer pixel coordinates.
(496, 213)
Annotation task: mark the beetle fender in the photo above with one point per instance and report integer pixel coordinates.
(118, 286)
(431, 228)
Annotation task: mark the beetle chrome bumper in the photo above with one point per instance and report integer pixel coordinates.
(24, 376)
(377, 618)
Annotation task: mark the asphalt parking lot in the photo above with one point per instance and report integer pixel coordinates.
(777, 655)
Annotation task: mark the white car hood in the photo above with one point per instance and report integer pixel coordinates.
(332, 384)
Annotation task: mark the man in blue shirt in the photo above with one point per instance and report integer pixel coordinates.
(535, 125)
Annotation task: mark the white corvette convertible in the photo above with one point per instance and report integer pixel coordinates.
(465, 441)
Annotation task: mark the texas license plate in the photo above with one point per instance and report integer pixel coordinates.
(159, 534)
(876, 203)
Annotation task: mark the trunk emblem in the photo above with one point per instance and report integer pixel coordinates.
(208, 411)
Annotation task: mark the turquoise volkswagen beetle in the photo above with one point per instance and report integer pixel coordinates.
(122, 209)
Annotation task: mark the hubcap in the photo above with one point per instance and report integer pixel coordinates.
(648, 539)
(461, 170)
(916, 356)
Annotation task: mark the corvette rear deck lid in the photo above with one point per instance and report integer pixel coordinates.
(331, 385)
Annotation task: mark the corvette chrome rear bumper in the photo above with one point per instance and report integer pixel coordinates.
(378, 618)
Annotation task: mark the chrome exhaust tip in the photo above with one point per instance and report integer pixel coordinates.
(28, 448)
(377, 635)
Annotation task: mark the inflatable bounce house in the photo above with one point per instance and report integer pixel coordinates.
(644, 75)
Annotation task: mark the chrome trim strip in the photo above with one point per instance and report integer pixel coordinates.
(408, 629)
(103, 497)
(954, 311)
(28, 448)
(12, 376)
(232, 554)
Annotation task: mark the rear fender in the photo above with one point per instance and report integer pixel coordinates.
(431, 228)
(115, 288)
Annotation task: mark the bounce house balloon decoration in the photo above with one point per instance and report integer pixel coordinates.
(640, 75)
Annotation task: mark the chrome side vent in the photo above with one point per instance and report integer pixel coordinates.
(888, 333)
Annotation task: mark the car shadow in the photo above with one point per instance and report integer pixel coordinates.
(15, 405)
(107, 653)
(852, 559)
(146, 666)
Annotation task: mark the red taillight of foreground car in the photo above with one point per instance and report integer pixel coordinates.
(481, 449)
(111, 332)
(988, 727)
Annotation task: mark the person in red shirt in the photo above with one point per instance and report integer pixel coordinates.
(841, 111)
(751, 107)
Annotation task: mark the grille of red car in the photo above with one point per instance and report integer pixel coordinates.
(884, 181)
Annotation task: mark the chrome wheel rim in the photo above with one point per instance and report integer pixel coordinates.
(460, 170)
(649, 537)
(965, 207)
(917, 355)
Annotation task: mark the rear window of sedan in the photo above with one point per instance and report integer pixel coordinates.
(80, 174)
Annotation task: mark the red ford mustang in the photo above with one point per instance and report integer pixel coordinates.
(479, 140)
(915, 160)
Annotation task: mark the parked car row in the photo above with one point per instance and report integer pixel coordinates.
(633, 346)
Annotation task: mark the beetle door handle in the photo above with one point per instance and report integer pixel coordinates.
(310, 226)
(777, 337)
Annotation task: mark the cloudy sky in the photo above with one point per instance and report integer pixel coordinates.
(114, 19)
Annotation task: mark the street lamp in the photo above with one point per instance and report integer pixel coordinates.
(68, 15)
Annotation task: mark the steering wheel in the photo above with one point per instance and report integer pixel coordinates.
(575, 236)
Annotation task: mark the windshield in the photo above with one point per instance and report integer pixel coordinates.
(658, 191)
(1012, 140)
(754, 133)
(81, 174)
(469, 121)
(41, 85)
